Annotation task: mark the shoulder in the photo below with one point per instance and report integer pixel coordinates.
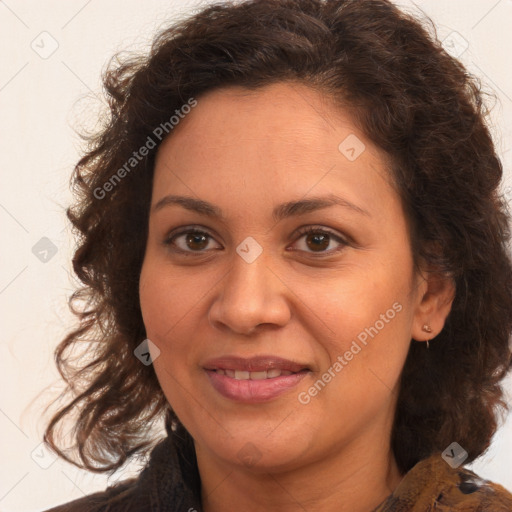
(433, 484)
(124, 496)
(170, 478)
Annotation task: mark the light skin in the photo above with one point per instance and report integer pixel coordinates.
(246, 152)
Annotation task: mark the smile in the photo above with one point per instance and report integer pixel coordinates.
(257, 379)
(260, 375)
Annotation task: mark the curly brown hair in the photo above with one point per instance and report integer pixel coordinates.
(410, 98)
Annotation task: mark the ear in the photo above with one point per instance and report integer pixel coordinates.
(435, 294)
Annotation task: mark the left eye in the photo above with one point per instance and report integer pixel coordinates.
(316, 240)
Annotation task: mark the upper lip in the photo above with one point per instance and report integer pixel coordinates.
(253, 364)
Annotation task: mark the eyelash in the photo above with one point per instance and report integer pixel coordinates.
(169, 241)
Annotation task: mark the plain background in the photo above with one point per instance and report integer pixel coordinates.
(41, 103)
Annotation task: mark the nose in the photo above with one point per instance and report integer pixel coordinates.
(250, 295)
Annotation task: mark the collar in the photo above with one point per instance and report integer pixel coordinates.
(171, 482)
(171, 479)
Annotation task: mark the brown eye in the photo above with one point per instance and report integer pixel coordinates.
(190, 240)
(317, 240)
(196, 241)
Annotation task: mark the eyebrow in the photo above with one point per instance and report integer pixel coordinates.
(280, 212)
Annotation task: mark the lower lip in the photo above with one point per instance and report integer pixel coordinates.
(254, 391)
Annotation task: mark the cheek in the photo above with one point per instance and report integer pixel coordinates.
(368, 315)
(354, 302)
(365, 355)
(171, 305)
(152, 302)
(165, 298)
(161, 314)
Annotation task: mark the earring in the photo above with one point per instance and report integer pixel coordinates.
(428, 329)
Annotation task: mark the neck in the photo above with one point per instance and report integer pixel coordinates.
(353, 479)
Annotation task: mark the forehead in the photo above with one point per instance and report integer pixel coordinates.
(284, 116)
(284, 137)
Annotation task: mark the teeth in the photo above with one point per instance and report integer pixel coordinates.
(260, 375)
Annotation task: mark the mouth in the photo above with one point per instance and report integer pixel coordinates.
(254, 365)
(257, 375)
(258, 379)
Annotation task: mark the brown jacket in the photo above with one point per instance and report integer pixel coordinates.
(170, 483)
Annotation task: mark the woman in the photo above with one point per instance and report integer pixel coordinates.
(293, 248)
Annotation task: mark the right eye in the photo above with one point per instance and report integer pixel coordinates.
(189, 241)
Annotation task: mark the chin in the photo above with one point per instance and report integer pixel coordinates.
(257, 453)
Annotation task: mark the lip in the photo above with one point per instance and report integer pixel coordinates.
(254, 391)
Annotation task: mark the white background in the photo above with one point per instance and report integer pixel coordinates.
(41, 102)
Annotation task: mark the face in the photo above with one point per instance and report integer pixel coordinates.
(242, 277)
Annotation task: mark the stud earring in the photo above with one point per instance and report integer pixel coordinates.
(427, 328)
